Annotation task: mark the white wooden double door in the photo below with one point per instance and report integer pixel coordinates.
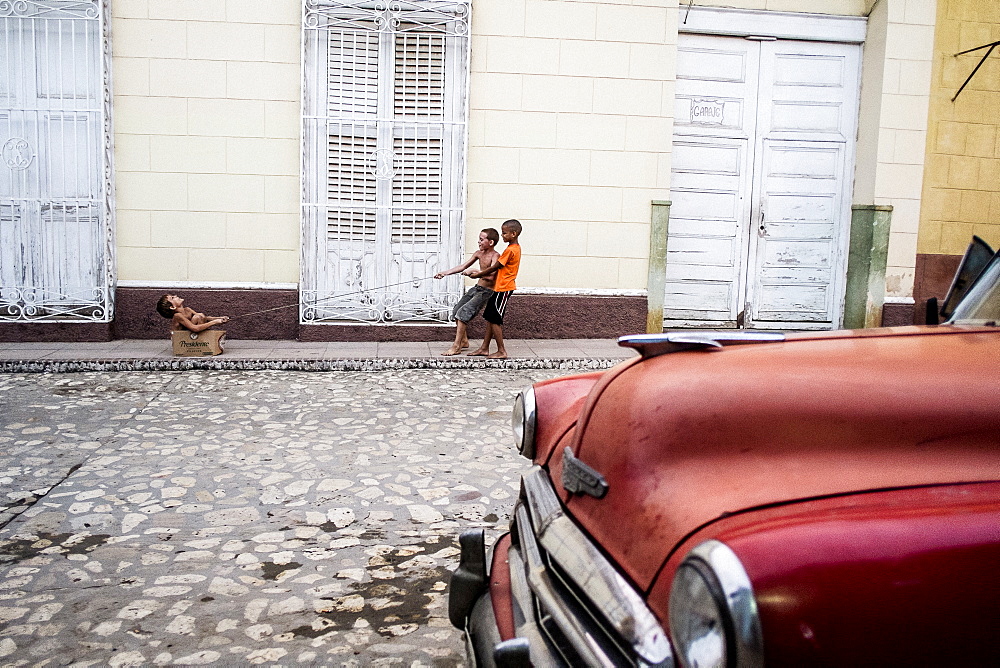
(763, 160)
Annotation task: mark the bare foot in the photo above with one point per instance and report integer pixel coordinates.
(451, 351)
(478, 353)
(465, 345)
(497, 356)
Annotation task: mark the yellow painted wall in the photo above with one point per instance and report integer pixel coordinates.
(895, 89)
(571, 113)
(961, 187)
(570, 125)
(206, 117)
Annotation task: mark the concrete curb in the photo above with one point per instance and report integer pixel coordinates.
(216, 364)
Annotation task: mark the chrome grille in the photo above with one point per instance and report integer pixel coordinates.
(580, 603)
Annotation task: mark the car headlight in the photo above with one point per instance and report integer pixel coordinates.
(522, 420)
(713, 613)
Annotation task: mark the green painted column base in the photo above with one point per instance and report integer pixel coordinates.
(657, 281)
(866, 266)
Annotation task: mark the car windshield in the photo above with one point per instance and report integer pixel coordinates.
(981, 305)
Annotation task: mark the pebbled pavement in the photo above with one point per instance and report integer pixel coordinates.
(245, 517)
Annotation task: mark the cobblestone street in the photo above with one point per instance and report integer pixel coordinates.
(224, 517)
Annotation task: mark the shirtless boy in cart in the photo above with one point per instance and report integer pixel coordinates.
(475, 297)
(184, 317)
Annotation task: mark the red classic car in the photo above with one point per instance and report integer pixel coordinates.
(748, 499)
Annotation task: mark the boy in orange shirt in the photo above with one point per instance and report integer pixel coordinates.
(506, 268)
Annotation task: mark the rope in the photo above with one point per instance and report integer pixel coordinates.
(317, 301)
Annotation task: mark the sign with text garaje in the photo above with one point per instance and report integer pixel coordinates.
(708, 112)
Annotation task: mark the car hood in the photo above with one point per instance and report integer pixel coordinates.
(876, 579)
(685, 438)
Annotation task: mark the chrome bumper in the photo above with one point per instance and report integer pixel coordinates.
(569, 603)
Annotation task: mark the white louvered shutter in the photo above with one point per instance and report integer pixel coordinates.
(352, 138)
(391, 117)
(56, 209)
(418, 105)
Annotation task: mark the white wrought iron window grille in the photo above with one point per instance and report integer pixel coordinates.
(56, 191)
(384, 141)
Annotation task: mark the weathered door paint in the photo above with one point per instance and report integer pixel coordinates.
(762, 159)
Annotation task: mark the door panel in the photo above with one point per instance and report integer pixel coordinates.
(805, 161)
(798, 232)
(810, 300)
(763, 154)
(802, 276)
(716, 209)
(812, 90)
(798, 117)
(714, 82)
(795, 209)
(710, 176)
(698, 296)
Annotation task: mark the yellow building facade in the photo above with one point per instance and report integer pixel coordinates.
(961, 188)
(568, 110)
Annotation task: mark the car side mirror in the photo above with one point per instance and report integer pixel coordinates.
(976, 257)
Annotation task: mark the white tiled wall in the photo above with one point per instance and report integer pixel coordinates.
(570, 125)
(207, 140)
(893, 125)
(571, 114)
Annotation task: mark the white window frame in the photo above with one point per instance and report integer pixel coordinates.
(780, 25)
(767, 25)
(57, 247)
(383, 158)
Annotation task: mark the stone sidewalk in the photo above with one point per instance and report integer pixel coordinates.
(258, 355)
(245, 517)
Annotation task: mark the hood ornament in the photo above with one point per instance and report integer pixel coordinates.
(578, 478)
(651, 345)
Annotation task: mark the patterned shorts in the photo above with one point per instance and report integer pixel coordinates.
(471, 302)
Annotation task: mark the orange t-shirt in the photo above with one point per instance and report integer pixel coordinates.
(510, 259)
